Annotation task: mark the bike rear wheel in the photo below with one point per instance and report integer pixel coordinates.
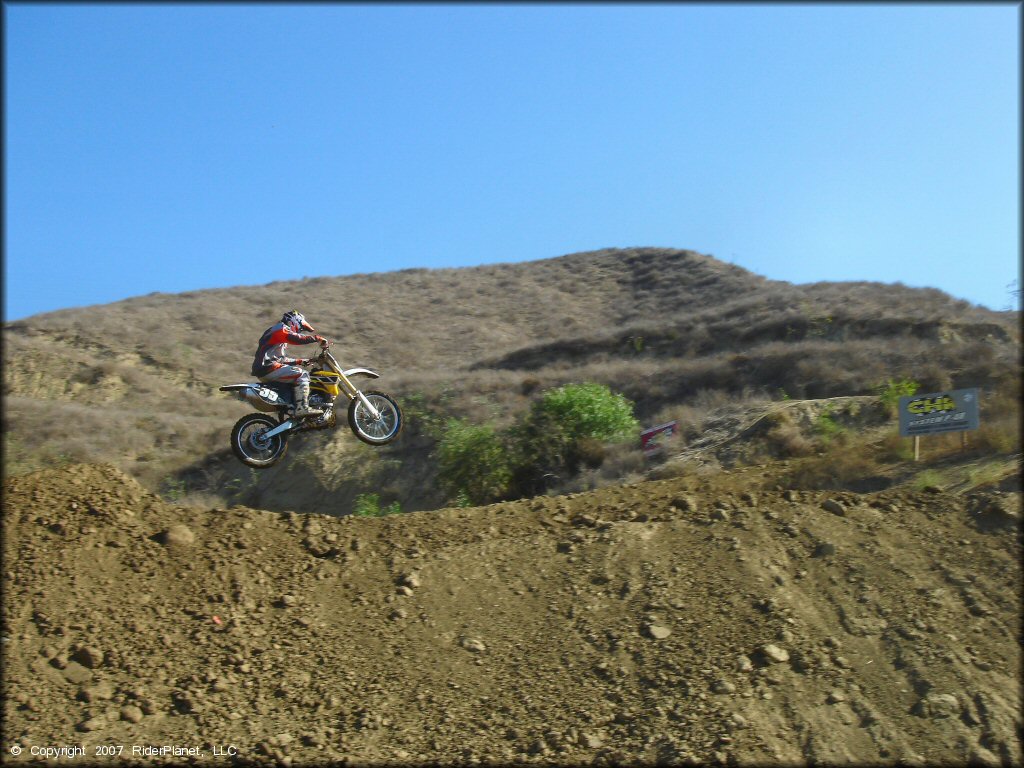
(249, 445)
(380, 430)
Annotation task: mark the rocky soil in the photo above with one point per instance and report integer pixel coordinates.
(679, 621)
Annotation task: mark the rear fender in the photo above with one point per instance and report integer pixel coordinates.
(260, 396)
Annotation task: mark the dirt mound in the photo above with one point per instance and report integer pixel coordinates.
(677, 621)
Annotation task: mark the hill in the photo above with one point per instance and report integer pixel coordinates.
(781, 584)
(682, 621)
(135, 383)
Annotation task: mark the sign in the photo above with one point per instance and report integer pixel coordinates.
(932, 414)
(651, 439)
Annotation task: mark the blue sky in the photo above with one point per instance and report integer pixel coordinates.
(160, 147)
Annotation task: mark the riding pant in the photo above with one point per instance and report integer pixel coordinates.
(288, 374)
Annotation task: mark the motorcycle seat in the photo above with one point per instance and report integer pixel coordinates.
(281, 389)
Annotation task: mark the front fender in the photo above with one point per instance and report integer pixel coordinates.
(362, 372)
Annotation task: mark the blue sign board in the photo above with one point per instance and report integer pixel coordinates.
(953, 411)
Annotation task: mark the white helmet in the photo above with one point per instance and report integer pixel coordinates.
(295, 321)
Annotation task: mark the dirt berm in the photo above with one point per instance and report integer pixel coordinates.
(676, 621)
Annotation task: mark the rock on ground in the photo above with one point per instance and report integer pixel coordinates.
(617, 626)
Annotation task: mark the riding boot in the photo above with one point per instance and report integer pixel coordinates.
(302, 408)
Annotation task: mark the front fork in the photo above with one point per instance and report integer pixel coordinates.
(354, 393)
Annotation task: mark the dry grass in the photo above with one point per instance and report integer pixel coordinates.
(677, 332)
(843, 467)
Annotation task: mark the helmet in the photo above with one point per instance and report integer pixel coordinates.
(295, 321)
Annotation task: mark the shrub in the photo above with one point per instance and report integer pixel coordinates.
(996, 438)
(928, 478)
(895, 448)
(173, 489)
(565, 429)
(1000, 422)
(529, 385)
(836, 469)
(826, 427)
(892, 390)
(473, 462)
(539, 453)
(591, 452)
(368, 505)
(788, 440)
(589, 411)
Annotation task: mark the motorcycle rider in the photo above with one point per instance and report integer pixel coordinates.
(272, 364)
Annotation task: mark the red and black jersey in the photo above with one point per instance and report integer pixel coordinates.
(270, 352)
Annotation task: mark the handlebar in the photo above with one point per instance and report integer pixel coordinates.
(324, 346)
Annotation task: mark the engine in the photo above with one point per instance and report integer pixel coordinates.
(325, 403)
(317, 400)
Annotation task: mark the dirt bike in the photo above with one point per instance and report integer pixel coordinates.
(259, 440)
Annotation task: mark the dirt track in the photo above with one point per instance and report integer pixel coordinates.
(677, 621)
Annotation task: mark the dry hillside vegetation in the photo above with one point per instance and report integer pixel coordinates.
(782, 585)
(679, 333)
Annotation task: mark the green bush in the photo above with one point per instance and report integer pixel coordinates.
(473, 462)
(173, 489)
(588, 411)
(892, 390)
(826, 427)
(564, 430)
(928, 478)
(368, 505)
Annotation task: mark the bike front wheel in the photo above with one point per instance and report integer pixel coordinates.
(375, 431)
